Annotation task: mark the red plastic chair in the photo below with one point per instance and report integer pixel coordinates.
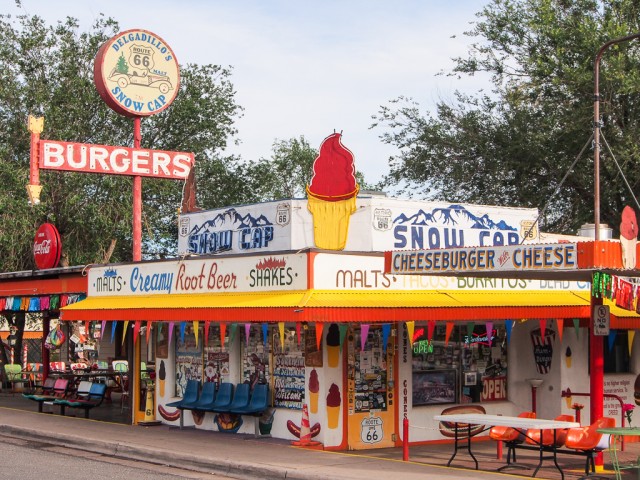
(510, 436)
(533, 435)
(587, 440)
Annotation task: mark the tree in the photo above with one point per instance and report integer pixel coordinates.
(514, 145)
(48, 71)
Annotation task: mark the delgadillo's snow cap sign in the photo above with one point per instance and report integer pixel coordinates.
(136, 73)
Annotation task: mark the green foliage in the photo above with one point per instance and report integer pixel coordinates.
(514, 145)
(48, 71)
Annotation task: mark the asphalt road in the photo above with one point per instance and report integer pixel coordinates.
(28, 460)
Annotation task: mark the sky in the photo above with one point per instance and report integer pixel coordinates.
(302, 68)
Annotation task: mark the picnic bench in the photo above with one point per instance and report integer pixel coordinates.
(84, 401)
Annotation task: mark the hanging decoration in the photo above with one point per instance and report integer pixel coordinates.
(612, 338)
(543, 327)
(630, 335)
(319, 328)
(431, 325)
(223, 334)
(488, 326)
(113, 330)
(281, 331)
(364, 333)
(171, 325)
(247, 333)
(509, 325)
(470, 328)
(343, 332)
(576, 326)
(560, 323)
(124, 330)
(386, 330)
(447, 334)
(207, 325)
(104, 326)
(183, 328)
(411, 326)
(148, 334)
(232, 335)
(196, 330)
(298, 332)
(136, 330)
(265, 334)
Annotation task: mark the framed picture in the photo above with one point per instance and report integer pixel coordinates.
(470, 379)
(432, 387)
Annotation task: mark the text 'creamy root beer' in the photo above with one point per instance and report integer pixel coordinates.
(332, 194)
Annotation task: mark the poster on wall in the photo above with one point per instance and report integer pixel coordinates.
(162, 344)
(188, 359)
(288, 373)
(312, 354)
(434, 387)
(216, 360)
(256, 359)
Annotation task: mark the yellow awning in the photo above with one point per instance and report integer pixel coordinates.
(341, 306)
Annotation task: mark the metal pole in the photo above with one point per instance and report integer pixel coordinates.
(596, 348)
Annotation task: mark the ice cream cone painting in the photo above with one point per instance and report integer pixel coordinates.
(568, 357)
(332, 194)
(628, 237)
(333, 406)
(333, 345)
(314, 389)
(161, 378)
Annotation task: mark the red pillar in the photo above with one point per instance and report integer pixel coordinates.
(596, 373)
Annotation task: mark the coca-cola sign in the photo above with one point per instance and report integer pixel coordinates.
(47, 247)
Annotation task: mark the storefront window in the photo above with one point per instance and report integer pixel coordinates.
(471, 367)
(188, 358)
(256, 357)
(368, 371)
(616, 353)
(216, 359)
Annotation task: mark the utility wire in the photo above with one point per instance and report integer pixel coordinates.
(620, 170)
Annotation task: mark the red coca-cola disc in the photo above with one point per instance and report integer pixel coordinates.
(47, 247)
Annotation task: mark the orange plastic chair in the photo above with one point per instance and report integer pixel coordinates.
(510, 436)
(587, 440)
(533, 435)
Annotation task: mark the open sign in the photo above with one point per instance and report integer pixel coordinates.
(494, 388)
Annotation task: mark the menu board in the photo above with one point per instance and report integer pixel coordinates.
(288, 373)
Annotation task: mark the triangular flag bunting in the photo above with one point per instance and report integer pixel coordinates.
(560, 323)
(543, 327)
(386, 329)
(113, 330)
(171, 325)
(136, 331)
(630, 335)
(247, 333)
(576, 326)
(124, 330)
(223, 334)
(343, 327)
(281, 330)
(207, 325)
(148, 334)
(196, 330)
(232, 335)
(364, 333)
(298, 332)
(104, 325)
(489, 328)
(431, 325)
(411, 325)
(319, 328)
(447, 335)
(509, 325)
(183, 328)
(612, 338)
(265, 333)
(470, 328)
(87, 328)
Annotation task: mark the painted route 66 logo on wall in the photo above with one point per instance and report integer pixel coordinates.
(382, 219)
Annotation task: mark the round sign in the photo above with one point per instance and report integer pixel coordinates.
(47, 247)
(136, 73)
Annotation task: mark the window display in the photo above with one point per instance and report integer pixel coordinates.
(471, 367)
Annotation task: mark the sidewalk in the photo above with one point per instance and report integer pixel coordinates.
(246, 457)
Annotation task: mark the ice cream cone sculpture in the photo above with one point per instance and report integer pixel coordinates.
(161, 378)
(314, 389)
(332, 194)
(333, 406)
(628, 237)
